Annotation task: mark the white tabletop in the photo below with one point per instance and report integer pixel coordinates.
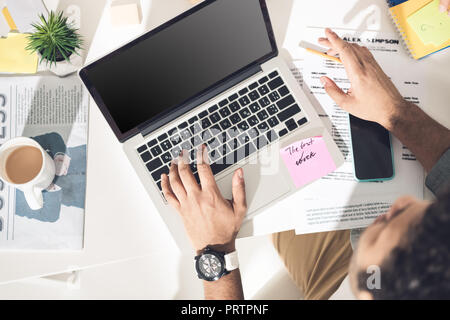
(121, 222)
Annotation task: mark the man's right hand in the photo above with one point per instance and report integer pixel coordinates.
(372, 95)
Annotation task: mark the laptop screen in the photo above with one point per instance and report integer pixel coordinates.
(168, 67)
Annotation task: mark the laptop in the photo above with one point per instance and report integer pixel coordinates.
(212, 76)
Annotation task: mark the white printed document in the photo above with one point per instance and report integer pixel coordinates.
(338, 201)
(54, 112)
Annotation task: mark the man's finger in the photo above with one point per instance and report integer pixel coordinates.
(444, 5)
(204, 170)
(168, 192)
(346, 53)
(239, 198)
(335, 93)
(175, 182)
(185, 173)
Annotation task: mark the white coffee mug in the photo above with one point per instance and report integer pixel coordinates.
(33, 188)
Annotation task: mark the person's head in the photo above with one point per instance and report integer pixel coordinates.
(405, 253)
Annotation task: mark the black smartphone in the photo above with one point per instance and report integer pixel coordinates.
(372, 150)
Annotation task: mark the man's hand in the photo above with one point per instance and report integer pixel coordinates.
(372, 96)
(209, 219)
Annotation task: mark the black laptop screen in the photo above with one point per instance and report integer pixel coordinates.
(160, 71)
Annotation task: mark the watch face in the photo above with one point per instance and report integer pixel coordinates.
(210, 266)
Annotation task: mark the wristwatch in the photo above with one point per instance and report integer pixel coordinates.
(212, 265)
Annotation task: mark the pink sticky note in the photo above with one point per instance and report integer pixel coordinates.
(307, 160)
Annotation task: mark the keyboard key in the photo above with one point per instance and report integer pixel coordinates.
(166, 157)
(275, 83)
(215, 117)
(253, 121)
(159, 185)
(285, 102)
(291, 125)
(206, 123)
(254, 95)
(186, 134)
(224, 112)
(166, 145)
(223, 103)
(244, 152)
(263, 80)
(215, 129)
(233, 97)
(274, 96)
(273, 74)
(142, 148)
(272, 109)
(245, 113)
(244, 101)
(172, 131)
(254, 85)
(153, 165)
(263, 90)
(176, 139)
(225, 124)
(253, 133)
(234, 106)
(193, 166)
(234, 144)
(244, 138)
(213, 108)
(235, 118)
(224, 149)
(264, 102)
(146, 156)
(283, 91)
(196, 141)
(273, 122)
(262, 115)
(220, 165)
(186, 145)
(214, 156)
(213, 143)
(195, 128)
(206, 135)
(254, 107)
(223, 137)
(152, 143)
(283, 132)
(157, 174)
(175, 152)
(193, 119)
(183, 125)
(302, 121)
(288, 113)
(156, 151)
(243, 126)
(233, 132)
(243, 91)
(203, 114)
(271, 136)
(263, 127)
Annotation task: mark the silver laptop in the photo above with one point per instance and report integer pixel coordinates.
(211, 75)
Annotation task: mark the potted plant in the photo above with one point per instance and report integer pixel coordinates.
(57, 42)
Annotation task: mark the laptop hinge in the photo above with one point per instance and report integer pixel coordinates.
(154, 125)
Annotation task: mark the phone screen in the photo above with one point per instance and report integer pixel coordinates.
(372, 152)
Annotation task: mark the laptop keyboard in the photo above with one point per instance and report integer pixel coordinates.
(233, 129)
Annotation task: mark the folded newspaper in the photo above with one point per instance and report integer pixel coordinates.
(54, 112)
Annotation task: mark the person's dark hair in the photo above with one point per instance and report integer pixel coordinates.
(420, 268)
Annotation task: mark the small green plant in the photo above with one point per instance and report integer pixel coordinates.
(54, 39)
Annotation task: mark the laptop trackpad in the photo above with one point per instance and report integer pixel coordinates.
(260, 189)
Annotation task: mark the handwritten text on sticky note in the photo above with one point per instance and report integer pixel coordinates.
(307, 160)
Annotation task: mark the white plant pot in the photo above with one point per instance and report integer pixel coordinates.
(64, 68)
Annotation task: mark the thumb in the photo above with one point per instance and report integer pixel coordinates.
(238, 190)
(334, 91)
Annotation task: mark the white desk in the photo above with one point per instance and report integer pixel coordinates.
(121, 222)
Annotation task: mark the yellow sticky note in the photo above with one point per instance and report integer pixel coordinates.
(13, 56)
(431, 25)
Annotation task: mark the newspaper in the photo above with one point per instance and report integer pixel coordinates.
(338, 201)
(54, 112)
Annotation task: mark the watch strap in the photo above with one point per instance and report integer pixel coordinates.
(231, 261)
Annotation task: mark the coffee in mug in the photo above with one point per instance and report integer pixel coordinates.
(23, 164)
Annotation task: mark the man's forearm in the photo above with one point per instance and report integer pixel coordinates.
(229, 287)
(425, 137)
